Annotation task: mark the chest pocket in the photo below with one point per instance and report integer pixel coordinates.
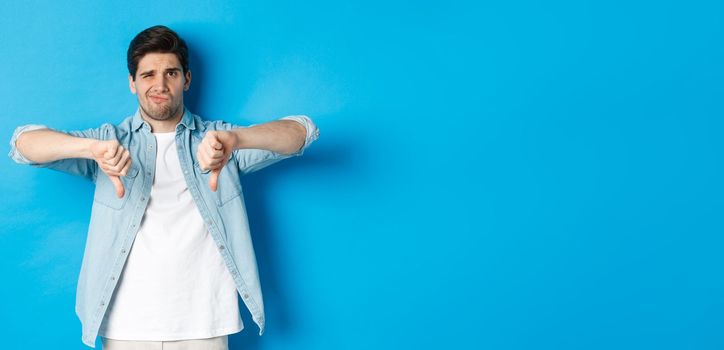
(228, 186)
(106, 193)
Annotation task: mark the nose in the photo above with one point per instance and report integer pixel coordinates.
(160, 83)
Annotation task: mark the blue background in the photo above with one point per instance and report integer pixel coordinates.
(500, 175)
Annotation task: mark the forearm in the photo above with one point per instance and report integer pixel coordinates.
(281, 136)
(45, 145)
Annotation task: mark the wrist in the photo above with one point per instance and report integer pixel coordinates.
(238, 138)
(88, 146)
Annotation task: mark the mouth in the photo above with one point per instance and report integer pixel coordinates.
(158, 99)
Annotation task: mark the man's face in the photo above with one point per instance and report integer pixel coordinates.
(160, 85)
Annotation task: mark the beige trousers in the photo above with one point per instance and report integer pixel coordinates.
(217, 343)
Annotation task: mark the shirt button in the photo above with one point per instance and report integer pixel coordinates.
(143, 198)
(123, 251)
(246, 296)
(103, 303)
(113, 278)
(221, 247)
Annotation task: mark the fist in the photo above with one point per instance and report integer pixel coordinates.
(114, 160)
(214, 152)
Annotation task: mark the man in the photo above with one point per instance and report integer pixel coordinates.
(168, 244)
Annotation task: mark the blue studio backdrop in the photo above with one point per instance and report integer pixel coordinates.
(489, 175)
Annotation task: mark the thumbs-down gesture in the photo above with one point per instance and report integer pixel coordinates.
(114, 160)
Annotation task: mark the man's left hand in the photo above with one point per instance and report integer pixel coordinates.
(214, 152)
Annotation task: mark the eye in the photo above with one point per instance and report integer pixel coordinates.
(172, 73)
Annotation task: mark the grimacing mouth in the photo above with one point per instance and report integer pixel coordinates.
(163, 96)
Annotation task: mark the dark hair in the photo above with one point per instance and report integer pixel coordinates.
(157, 39)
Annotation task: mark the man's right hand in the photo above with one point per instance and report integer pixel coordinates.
(114, 160)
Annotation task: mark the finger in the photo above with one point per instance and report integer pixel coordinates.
(207, 150)
(120, 152)
(214, 179)
(111, 172)
(118, 185)
(214, 164)
(111, 149)
(107, 169)
(125, 156)
(113, 160)
(222, 161)
(214, 141)
(126, 167)
(214, 153)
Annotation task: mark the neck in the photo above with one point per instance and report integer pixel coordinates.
(168, 125)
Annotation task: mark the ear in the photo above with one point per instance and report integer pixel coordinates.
(131, 84)
(188, 80)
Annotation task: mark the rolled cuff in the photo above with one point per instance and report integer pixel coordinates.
(312, 131)
(14, 153)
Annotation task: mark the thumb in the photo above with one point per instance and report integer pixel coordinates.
(214, 179)
(118, 185)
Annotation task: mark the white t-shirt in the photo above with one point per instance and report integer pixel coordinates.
(175, 284)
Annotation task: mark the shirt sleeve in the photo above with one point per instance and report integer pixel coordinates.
(87, 168)
(251, 160)
(14, 153)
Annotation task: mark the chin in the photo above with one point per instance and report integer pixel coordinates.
(159, 113)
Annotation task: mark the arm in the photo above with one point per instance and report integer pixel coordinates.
(42, 146)
(256, 146)
(33, 145)
(281, 136)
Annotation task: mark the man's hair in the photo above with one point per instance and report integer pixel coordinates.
(157, 39)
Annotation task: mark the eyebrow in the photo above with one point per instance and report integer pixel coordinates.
(165, 70)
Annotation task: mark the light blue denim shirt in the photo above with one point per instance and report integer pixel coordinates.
(115, 221)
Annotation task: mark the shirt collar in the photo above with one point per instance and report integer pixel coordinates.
(187, 120)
